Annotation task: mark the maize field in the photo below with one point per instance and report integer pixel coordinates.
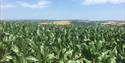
(33, 43)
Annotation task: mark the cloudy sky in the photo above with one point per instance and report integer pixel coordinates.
(63, 9)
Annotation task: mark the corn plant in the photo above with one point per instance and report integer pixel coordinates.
(34, 43)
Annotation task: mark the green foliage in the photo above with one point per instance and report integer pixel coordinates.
(34, 43)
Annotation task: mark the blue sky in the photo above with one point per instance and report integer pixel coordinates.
(63, 9)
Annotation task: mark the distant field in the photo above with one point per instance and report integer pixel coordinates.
(36, 42)
(58, 22)
(114, 23)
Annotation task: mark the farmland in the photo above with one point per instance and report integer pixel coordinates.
(22, 42)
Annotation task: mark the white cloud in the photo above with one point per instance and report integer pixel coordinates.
(39, 4)
(93, 2)
(6, 6)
